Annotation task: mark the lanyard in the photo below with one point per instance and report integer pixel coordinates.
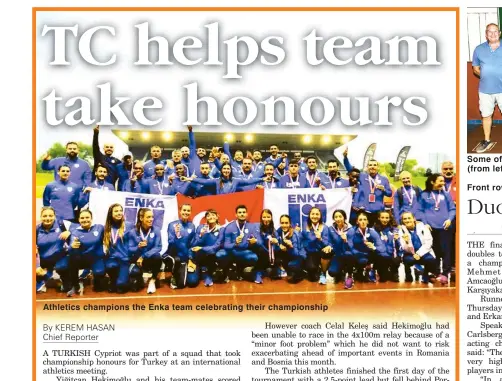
(144, 237)
(238, 227)
(364, 235)
(372, 184)
(271, 255)
(436, 201)
(409, 196)
(160, 185)
(115, 235)
(293, 183)
(311, 179)
(333, 182)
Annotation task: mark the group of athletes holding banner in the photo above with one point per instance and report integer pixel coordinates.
(367, 245)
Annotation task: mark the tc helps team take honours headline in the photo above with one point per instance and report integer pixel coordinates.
(238, 52)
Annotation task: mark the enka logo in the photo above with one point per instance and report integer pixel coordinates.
(132, 205)
(299, 206)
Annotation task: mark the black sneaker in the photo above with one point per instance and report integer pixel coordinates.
(483, 146)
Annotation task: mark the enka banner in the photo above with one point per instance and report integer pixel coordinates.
(298, 202)
(165, 208)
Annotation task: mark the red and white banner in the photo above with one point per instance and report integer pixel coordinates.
(225, 205)
(294, 202)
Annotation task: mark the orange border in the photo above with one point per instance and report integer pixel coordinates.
(241, 9)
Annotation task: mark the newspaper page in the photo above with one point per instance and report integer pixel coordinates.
(480, 307)
(250, 194)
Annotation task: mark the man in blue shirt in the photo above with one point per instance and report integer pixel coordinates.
(80, 169)
(487, 65)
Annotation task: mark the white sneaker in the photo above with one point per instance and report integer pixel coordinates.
(55, 275)
(329, 278)
(81, 288)
(41, 288)
(151, 287)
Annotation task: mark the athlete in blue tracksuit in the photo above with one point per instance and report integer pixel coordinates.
(366, 245)
(80, 169)
(145, 246)
(291, 253)
(207, 250)
(98, 183)
(390, 260)
(86, 252)
(110, 162)
(373, 188)
(438, 210)
(416, 246)
(226, 184)
(179, 258)
(315, 238)
(124, 170)
(193, 161)
(149, 166)
(333, 180)
(138, 183)
(268, 245)
(293, 179)
(159, 184)
(313, 176)
(406, 198)
(235, 161)
(241, 243)
(116, 246)
(343, 260)
(199, 190)
(50, 240)
(63, 195)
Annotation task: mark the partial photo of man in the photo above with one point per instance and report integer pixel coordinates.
(487, 65)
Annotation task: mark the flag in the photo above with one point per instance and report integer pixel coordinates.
(225, 205)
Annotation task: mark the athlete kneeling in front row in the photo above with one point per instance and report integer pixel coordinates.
(366, 245)
(343, 261)
(315, 238)
(241, 244)
(86, 252)
(389, 261)
(416, 246)
(50, 240)
(211, 258)
(145, 246)
(179, 259)
(115, 244)
(291, 253)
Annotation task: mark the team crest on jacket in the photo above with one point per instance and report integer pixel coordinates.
(246, 231)
(77, 165)
(95, 233)
(69, 189)
(152, 235)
